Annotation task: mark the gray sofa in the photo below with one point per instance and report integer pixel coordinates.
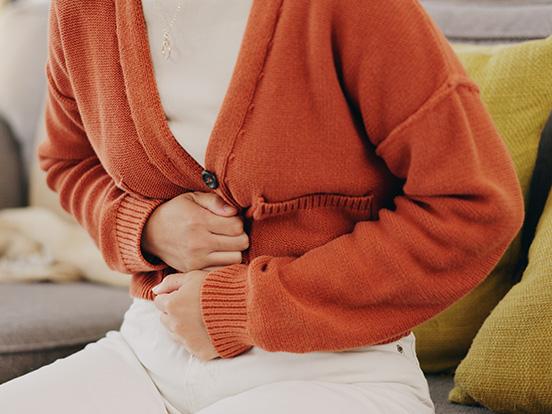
(42, 322)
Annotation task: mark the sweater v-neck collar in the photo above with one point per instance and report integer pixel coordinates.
(161, 147)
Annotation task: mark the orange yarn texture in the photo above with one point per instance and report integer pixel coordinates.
(375, 188)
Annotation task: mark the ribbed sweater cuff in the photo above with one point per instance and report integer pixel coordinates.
(224, 311)
(132, 216)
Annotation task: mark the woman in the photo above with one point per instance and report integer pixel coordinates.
(366, 189)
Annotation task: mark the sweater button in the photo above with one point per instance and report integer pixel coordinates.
(209, 178)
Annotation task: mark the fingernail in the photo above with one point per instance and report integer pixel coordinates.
(228, 207)
(156, 288)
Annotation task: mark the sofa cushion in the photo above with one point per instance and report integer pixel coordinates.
(517, 89)
(23, 29)
(41, 322)
(492, 20)
(508, 367)
(439, 387)
(12, 183)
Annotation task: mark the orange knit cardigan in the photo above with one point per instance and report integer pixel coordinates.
(373, 184)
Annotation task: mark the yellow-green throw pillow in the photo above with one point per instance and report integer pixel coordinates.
(516, 86)
(509, 366)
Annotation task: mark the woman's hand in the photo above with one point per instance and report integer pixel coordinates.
(179, 302)
(194, 231)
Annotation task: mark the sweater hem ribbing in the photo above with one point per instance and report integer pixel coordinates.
(224, 311)
(132, 216)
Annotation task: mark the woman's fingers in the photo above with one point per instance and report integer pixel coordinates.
(160, 302)
(169, 284)
(224, 258)
(214, 260)
(229, 226)
(212, 202)
(221, 243)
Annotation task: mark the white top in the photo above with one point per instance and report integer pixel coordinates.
(205, 38)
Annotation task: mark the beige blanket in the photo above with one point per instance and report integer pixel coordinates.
(37, 245)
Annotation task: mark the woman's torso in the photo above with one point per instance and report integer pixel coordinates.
(287, 144)
(194, 45)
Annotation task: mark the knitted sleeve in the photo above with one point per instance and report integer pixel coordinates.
(460, 208)
(113, 218)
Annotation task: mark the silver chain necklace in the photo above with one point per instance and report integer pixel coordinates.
(166, 46)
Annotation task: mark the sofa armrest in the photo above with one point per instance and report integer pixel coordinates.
(13, 188)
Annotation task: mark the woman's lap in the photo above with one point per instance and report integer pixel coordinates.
(138, 369)
(298, 397)
(101, 378)
(94, 381)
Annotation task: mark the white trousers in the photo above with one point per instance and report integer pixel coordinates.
(140, 369)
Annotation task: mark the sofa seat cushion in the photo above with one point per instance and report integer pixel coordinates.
(42, 322)
(439, 387)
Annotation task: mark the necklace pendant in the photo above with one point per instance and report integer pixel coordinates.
(166, 46)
